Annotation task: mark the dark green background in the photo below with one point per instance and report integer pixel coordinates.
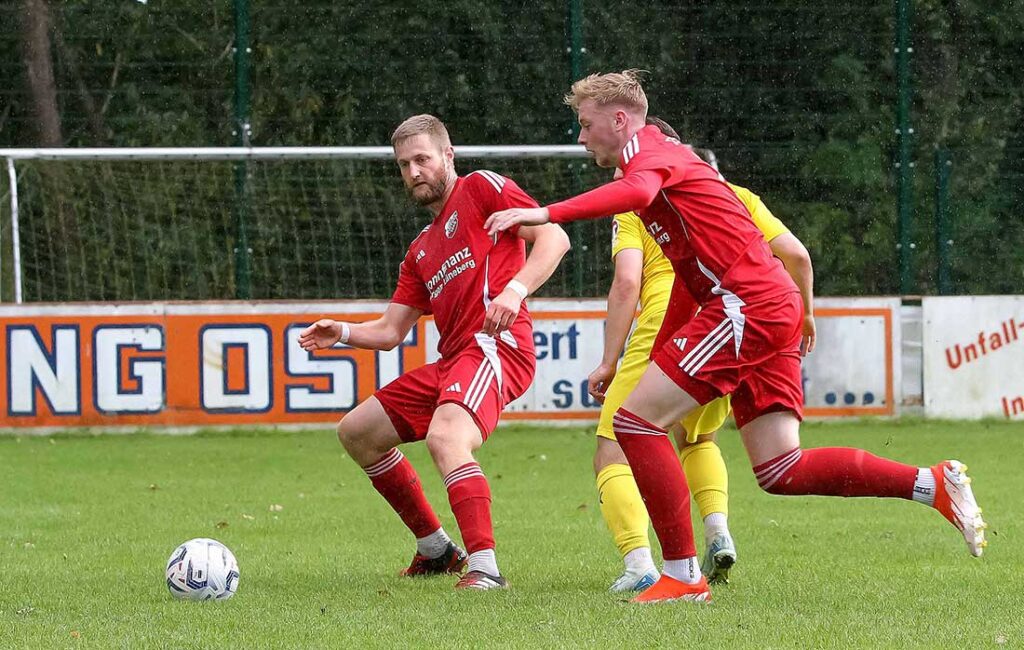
(796, 97)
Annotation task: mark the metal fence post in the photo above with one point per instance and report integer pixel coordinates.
(904, 176)
(576, 53)
(242, 133)
(943, 235)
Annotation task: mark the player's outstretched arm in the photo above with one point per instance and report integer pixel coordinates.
(504, 219)
(797, 261)
(383, 333)
(550, 244)
(633, 192)
(622, 300)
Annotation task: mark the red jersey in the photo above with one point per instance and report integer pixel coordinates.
(454, 268)
(700, 224)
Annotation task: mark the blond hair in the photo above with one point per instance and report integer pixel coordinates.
(613, 88)
(422, 124)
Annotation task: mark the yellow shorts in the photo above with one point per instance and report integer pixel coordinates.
(703, 420)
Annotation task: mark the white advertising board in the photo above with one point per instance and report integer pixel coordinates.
(974, 356)
(854, 369)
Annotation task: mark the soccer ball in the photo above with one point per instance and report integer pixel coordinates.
(202, 569)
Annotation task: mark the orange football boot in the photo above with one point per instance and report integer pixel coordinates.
(667, 590)
(954, 498)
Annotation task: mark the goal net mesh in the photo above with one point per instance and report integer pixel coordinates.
(109, 230)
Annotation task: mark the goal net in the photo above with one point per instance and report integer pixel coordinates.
(286, 223)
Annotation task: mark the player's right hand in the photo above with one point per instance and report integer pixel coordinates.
(809, 335)
(599, 380)
(505, 219)
(320, 335)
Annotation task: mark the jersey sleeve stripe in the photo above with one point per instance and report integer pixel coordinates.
(495, 180)
(498, 178)
(631, 149)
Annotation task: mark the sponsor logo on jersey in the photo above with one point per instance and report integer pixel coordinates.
(659, 234)
(454, 388)
(680, 343)
(420, 255)
(451, 225)
(450, 269)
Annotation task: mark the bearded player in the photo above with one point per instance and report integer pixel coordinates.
(644, 274)
(745, 340)
(474, 284)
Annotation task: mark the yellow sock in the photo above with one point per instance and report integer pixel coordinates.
(622, 508)
(707, 477)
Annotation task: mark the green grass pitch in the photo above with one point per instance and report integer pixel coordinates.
(87, 523)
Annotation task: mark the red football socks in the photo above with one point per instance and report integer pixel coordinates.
(662, 483)
(397, 481)
(470, 498)
(836, 471)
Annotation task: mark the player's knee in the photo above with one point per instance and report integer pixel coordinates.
(451, 443)
(441, 441)
(345, 432)
(608, 452)
(353, 434)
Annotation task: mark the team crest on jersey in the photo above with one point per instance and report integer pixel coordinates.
(451, 225)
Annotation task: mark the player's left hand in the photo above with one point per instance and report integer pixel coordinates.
(599, 381)
(502, 312)
(505, 219)
(810, 334)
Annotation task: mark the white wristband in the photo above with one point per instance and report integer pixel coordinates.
(518, 287)
(346, 331)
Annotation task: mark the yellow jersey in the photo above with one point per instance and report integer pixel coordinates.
(656, 280)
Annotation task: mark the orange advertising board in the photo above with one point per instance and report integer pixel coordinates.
(180, 365)
(193, 365)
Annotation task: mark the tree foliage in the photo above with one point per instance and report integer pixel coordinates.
(797, 98)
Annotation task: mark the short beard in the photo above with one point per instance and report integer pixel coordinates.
(436, 193)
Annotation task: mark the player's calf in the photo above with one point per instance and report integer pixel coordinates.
(837, 471)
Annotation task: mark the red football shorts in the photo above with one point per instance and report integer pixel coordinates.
(749, 350)
(481, 379)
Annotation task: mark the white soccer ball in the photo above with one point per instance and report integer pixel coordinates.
(202, 569)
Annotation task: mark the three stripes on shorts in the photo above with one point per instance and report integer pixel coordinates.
(708, 346)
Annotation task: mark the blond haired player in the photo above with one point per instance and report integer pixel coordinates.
(744, 342)
(643, 273)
